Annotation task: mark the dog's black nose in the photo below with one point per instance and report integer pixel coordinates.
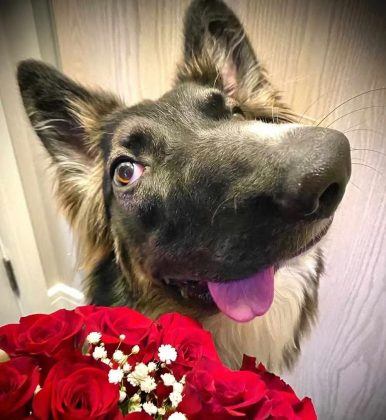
(315, 174)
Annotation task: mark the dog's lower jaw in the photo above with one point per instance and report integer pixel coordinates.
(274, 338)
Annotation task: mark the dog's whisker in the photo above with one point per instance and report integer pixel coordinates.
(357, 124)
(352, 112)
(368, 166)
(215, 80)
(311, 105)
(235, 203)
(355, 185)
(380, 133)
(367, 150)
(217, 209)
(349, 100)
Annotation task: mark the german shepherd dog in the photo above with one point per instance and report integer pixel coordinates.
(208, 201)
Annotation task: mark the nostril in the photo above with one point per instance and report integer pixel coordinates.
(309, 202)
(330, 196)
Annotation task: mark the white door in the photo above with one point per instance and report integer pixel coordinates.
(9, 301)
(18, 245)
(34, 237)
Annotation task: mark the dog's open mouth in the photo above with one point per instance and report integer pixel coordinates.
(241, 300)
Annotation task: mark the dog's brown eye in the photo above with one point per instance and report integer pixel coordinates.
(127, 173)
(237, 112)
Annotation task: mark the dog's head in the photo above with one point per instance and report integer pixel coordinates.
(201, 194)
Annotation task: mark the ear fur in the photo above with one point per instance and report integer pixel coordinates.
(218, 53)
(69, 121)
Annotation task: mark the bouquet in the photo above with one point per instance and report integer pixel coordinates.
(114, 363)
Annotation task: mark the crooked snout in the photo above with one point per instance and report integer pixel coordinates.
(303, 170)
(316, 167)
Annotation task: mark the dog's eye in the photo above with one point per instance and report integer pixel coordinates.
(238, 113)
(127, 173)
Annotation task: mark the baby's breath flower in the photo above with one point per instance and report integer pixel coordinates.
(148, 384)
(167, 353)
(37, 389)
(151, 366)
(115, 375)
(177, 416)
(122, 337)
(178, 387)
(106, 361)
(162, 411)
(149, 408)
(126, 367)
(99, 353)
(122, 395)
(175, 398)
(118, 355)
(135, 349)
(94, 337)
(139, 374)
(135, 399)
(135, 403)
(168, 379)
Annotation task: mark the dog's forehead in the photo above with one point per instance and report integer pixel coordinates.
(188, 94)
(163, 123)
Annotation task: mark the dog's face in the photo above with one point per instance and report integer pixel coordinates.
(202, 193)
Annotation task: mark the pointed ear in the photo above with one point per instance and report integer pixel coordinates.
(66, 116)
(69, 121)
(217, 53)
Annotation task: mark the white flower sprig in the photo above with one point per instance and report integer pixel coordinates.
(178, 416)
(94, 337)
(167, 353)
(141, 376)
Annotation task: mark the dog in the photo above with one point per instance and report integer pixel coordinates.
(209, 201)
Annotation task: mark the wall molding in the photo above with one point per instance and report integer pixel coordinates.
(63, 296)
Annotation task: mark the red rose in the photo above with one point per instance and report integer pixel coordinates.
(214, 391)
(49, 335)
(19, 378)
(138, 416)
(8, 338)
(77, 389)
(281, 400)
(112, 322)
(190, 340)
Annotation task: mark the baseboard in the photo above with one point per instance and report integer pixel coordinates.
(63, 296)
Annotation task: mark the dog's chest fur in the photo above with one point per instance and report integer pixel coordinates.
(274, 338)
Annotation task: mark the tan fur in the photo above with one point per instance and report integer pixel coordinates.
(254, 92)
(271, 336)
(79, 188)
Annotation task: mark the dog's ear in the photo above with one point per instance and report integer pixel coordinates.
(66, 116)
(217, 53)
(69, 120)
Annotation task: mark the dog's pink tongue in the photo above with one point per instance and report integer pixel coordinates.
(244, 299)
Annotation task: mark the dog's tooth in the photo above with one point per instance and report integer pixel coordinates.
(184, 293)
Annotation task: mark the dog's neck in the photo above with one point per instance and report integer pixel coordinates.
(274, 339)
